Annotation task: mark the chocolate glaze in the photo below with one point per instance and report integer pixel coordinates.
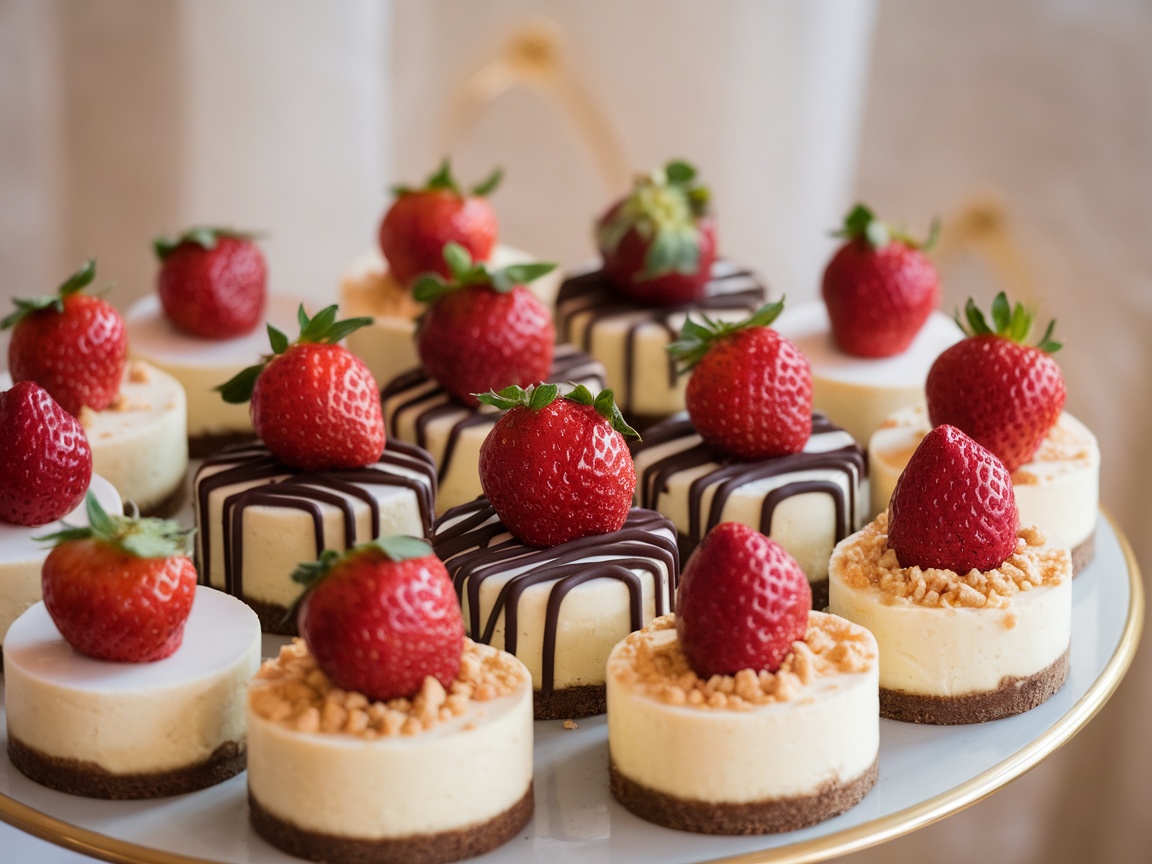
(728, 474)
(589, 296)
(418, 395)
(478, 547)
(277, 485)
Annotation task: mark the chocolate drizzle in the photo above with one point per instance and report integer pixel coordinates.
(727, 475)
(478, 547)
(590, 298)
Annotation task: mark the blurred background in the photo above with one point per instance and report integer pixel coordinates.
(1024, 125)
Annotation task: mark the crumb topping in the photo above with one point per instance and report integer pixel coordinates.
(867, 562)
(292, 690)
(651, 662)
(139, 372)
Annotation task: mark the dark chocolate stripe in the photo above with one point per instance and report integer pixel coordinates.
(472, 554)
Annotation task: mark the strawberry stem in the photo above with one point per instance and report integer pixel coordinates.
(538, 396)
(444, 181)
(861, 224)
(696, 339)
(465, 272)
(205, 236)
(74, 284)
(144, 537)
(1008, 321)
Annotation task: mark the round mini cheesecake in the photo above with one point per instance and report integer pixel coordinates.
(131, 730)
(753, 753)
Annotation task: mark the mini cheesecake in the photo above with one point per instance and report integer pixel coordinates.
(257, 519)
(859, 393)
(631, 340)
(201, 365)
(807, 502)
(561, 609)
(753, 753)
(131, 730)
(959, 647)
(421, 412)
(442, 776)
(1058, 490)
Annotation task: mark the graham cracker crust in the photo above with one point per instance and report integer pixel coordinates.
(1013, 696)
(273, 617)
(211, 443)
(570, 703)
(1083, 554)
(437, 848)
(771, 816)
(167, 506)
(92, 781)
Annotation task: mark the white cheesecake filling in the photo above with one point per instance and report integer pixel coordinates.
(1059, 490)
(21, 556)
(859, 393)
(133, 718)
(463, 771)
(825, 729)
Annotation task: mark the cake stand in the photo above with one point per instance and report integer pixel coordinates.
(576, 817)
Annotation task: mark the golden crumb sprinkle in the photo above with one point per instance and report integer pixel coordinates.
(139, 372)
(571, 724)
(866, 561)
(293, 691)
(651, 662)
(87, 417)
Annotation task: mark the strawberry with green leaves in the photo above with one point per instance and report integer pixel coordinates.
(72, 344)
(421, 221)
(750, 394)
(213, 282)
(879, 287)
(557, 468)
(120, 589)
(314, 403)
(658, 243)
(381, 617)
(995, 387)
(483, 330)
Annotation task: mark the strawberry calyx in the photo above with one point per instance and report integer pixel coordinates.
(538, 396)
(142, 536)
(466, 272)
(862, 224)
(321, 328)
(443, 181)
(1010, 322)
(664, 208)
(205, 236)
(74, 284)
(696, 338)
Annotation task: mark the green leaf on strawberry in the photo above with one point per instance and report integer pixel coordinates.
(861, 224)
(466, 272)
(443, 180)
(397, 548)
(205, 236)
(1011, 322)
(75, 283)
(144, 537)
(696, 338)
(539, 396)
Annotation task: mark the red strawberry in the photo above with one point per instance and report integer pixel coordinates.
(741, 603)
(45, 463)
(421, 221)
(213, 282)
(71, 344)
(314, 403)
(879, 287)
(750, 394)
(1005, 394)
(483, 330)
(120, 589)
(953, 507)
(557, 469)
(659, 242)
(381, 617)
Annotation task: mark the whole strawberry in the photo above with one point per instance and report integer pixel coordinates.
(750, 394)
(483, 330)
(382, 617)
(45, 463)
(1005, 394)
(741, 603)
(73, 345)
(879, 287)
(557, 468)
(659, 242)
(213, 282)
(953, 507)
(421, 221)
(314, 403)
(120, 589)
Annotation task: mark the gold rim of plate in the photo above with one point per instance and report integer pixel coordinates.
(103, 847)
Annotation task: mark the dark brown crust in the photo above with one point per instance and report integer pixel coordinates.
(1013, 696)
(211, 443)
(273, 617)
(90, 780)
(569, 703)
(169, 505)
(416, 849)
(771, 816)
(1083, 554)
